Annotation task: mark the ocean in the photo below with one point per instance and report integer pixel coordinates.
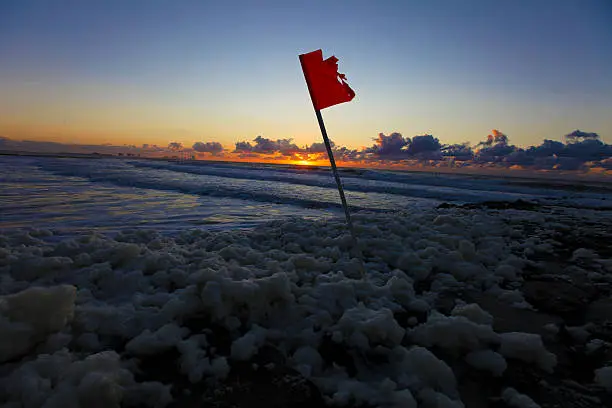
(71, 195)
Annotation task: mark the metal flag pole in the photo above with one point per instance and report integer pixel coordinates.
(335, 171)
(356, 249)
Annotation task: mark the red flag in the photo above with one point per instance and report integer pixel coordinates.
(326, 86)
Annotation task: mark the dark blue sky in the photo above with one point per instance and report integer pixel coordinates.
(147, 71)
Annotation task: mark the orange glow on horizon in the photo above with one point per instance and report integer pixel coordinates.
(303, 163)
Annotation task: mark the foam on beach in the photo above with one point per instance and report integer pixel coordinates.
(79, 316)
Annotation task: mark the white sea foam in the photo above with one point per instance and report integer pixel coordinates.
(289, 283)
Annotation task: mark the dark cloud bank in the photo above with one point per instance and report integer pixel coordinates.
(578, 151)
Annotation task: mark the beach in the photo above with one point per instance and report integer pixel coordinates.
(149, 283)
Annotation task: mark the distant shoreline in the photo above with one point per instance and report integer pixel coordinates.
(58, 155)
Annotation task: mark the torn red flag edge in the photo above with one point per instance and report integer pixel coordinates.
(327, 87)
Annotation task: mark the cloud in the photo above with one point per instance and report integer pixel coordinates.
(567, 163)
(496, 148)
(347, 155)
(583, 147)
(517, 156)
(606, 163)
(495, 138)
(248, 155)
(281, 148)
(547, 148)
(578, 135)
(175, 146)
(209, 147)
(263, 145)
(397, 147)
(499, 137)
(242, 147)
(461, 151)
(390, 146)
(425, 145)
(318, 147)
(587, 150)
(495, 152)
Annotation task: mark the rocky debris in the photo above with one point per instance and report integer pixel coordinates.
(497, 205)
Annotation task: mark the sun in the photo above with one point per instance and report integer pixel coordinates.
(303, 163)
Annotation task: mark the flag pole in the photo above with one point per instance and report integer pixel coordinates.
(330, 154)
(347, 214)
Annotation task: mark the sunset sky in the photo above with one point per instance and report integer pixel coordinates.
(147, 71)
